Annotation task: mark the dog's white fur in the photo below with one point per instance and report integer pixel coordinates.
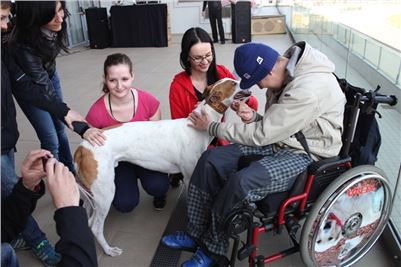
(168, 146)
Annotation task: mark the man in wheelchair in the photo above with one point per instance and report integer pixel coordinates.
(302, 96)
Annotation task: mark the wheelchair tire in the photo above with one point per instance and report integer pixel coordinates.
(347, 218)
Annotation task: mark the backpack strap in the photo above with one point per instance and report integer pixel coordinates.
(301, 138)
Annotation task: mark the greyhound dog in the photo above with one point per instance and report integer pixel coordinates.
(168, 146)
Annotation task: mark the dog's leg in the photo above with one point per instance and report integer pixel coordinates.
(98, 228)
(103, 191)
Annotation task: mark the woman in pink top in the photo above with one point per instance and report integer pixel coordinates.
(122, 103)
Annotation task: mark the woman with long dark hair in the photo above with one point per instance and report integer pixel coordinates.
(37, 38)
(198, 59)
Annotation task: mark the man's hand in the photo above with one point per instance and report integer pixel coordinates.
(203, 14)
(61, 184)
(243, 111)
(95, 136)
(32, 168)
(200, 121)
(71, 116)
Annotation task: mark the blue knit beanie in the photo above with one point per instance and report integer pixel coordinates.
(252, 62)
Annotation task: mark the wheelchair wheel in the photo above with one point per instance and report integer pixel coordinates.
(347, 218)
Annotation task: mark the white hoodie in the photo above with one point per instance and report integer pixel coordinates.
(312, 102)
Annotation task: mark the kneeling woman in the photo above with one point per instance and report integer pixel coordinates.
(122, 103)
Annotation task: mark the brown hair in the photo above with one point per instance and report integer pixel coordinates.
(113, 60)
(6, 4)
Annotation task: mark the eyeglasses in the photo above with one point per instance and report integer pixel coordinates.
(199, 59)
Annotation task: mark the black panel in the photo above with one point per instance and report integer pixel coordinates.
(98, 27)
(139, 25)
(241, 22)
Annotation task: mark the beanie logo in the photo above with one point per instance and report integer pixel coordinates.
(259, 60)
(247, 76)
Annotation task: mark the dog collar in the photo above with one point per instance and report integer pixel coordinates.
(215, 103)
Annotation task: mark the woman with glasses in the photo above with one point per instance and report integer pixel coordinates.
(198, 59)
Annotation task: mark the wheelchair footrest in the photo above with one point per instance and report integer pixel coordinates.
(245, 251)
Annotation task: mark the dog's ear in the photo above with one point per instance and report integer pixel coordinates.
(206, 93)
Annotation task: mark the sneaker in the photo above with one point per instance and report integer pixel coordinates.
(199, 259)
(45, 252)
(19, 243)
(159, 203)
(179, 240)
(175, 179)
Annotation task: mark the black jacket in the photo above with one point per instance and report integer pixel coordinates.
(76, 243)
(16, 208)
(31, 67)
(9, 129)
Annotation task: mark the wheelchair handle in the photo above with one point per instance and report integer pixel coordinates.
(381, 99)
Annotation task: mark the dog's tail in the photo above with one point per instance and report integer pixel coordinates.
(90, 209)
(86, 167)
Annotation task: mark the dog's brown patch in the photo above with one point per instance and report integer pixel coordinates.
(87, 164)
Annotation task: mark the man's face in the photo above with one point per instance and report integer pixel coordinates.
(274, 80)
(5, 14)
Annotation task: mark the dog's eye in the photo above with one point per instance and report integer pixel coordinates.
(327, 225)
(330, 238)
(319, 241)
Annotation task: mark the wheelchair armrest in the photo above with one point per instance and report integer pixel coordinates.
(323, 164)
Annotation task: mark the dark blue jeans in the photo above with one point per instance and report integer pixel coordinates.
(50, 130)
(32, 233)
(126, 179)
(8, 256)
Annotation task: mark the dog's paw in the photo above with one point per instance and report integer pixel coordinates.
(115, 251)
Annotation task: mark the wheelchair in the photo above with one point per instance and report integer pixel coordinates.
(344, 207)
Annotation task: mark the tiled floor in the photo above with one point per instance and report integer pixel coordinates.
(138, 233)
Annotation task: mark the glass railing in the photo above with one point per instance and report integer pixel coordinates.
(322, 21)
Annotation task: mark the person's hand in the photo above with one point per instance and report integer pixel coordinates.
(95, 136)
(32, 168)
(61, 184)
(243, 111)
(200, 121)
(203, 14)
(71, 116)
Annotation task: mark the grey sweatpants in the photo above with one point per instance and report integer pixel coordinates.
(217, 186)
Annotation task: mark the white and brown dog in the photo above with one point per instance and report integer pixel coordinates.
(168, 146)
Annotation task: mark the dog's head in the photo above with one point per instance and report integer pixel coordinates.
(329, 234)
(222, 93)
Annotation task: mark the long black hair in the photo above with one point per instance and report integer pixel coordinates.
(30, 17)
(192, 37)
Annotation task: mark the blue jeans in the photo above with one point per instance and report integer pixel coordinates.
(50, 130)
(8, 256)
(32, 233)
(8, 176)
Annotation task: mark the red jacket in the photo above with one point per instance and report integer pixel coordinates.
(183, 98)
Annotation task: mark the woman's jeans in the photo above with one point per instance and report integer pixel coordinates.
(8, 256)
(32, 233)
(50, 130)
